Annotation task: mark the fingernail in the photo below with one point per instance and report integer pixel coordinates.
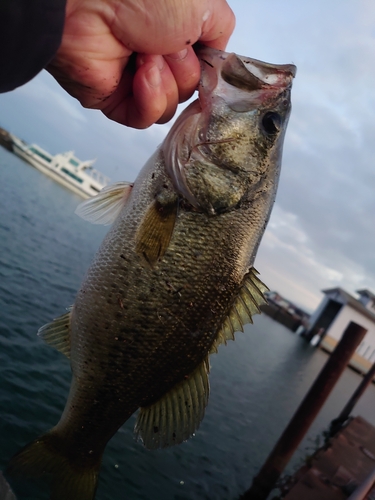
(178, 56)
(157, 61)
(160, 63)
(153, 76)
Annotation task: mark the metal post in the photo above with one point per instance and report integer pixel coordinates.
(336, 424)
(266, 479)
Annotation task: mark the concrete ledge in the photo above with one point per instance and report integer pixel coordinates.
(358, 363)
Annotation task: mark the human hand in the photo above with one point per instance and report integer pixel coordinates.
(133, 59)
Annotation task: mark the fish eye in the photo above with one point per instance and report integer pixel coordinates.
(271, 122)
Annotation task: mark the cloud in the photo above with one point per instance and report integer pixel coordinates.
(45, 92)
(294, 263)
(58, 123)
(291, 262)
(321, 233)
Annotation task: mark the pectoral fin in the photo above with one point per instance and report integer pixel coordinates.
(247, 303)
(176, 416)
(155, 232)
(57, 333)
(105, 206)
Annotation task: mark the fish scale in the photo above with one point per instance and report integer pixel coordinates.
(173, 278)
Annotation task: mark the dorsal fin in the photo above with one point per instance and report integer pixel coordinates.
(177, 415)
(247, 303)
(57, 333)
(105, 206)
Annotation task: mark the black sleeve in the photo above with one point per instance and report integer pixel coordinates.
(30, 34)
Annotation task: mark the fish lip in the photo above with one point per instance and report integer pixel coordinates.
(212, 56)
(240, 72)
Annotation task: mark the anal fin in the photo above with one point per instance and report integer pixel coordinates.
(177, 415)
(247, 303)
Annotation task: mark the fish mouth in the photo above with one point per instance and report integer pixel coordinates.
(222, 71)
(251, 74)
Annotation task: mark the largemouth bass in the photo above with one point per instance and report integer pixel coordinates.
(174, 277)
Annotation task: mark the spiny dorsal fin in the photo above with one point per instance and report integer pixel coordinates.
(105, 206)
(57, 333)
(177, 415)
(248, 301)
(155, 232)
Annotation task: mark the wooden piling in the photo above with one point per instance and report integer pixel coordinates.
(265, 480)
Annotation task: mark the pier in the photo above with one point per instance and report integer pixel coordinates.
(338, 469)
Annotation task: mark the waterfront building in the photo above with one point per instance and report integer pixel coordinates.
(285, 312)
(334, 314)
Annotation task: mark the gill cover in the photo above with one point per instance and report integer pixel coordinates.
(229, 84)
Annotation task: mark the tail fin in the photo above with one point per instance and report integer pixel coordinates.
(43, 459)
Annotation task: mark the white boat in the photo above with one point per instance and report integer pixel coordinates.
(65, 168)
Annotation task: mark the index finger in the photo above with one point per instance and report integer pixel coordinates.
(219, 23)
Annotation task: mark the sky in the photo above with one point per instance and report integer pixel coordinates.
(322, 230)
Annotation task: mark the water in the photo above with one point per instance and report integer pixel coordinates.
(256, 382)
